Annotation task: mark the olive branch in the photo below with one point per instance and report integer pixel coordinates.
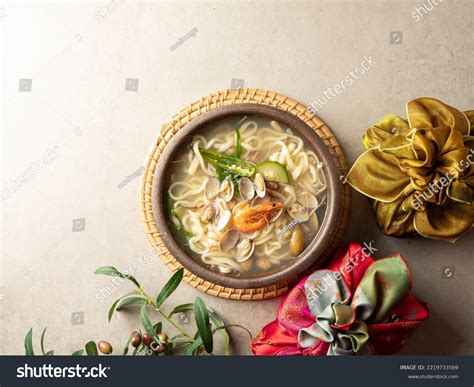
(153, 341)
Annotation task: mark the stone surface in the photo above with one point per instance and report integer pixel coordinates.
(80, 55)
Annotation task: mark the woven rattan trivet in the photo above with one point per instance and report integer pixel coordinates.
(198, 108)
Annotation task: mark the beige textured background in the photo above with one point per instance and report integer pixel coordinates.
(79, 55)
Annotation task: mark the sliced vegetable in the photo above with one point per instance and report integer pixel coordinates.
(230, 164)
(238, 148)
(273, 171)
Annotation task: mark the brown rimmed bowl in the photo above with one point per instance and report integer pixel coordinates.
(314, 254)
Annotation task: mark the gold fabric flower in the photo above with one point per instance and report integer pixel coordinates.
(420, 172)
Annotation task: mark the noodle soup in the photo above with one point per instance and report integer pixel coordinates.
(246, 196)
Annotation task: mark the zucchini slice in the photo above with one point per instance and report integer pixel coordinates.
(273, 171)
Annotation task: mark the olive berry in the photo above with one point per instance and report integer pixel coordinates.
(135, 339)
(147, 339)
(163, 337)
(158, 348)
(104, 347)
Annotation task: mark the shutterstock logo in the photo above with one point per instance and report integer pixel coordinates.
(48, 371)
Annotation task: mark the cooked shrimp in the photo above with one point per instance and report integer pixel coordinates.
(248, 219)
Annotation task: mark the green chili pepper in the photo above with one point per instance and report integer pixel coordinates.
(230, 164)
(238, 149)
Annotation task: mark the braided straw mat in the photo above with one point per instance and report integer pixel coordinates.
(195, 109)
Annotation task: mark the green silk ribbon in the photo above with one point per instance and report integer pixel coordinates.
(342, 318)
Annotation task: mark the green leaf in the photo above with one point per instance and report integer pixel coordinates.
(190, 350)
(113, 272)
(112, 309)
(170, 287)
(131, 301)
(147, 323)
(218, 323)
(182, 308)
(79, 352)
(158, 327)
(49, 353)
(29, 343)
(179, 339)
(204, 326)
(125, 350)
(215, 319)
(119, 303)
(91, 348)
(223, 327)
(42, 340)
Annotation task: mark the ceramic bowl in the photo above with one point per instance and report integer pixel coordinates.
(311, 257)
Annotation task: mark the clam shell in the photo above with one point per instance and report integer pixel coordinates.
(307, 199)
(227, 190)
(209, 213)
(212, 188)
(222, 220)
(257, 200)
(286, 236)
(244, 250)
(229, 240)
(298, 212)
(312, 225)
(246, 188)
(260, 187)
(276, 215)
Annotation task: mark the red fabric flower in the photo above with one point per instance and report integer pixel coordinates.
(366, 308)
